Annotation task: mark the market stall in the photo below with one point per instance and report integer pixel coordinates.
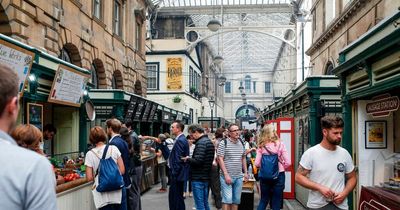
(370, 72)
(52, 92)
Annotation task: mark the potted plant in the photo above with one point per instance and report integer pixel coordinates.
(177, 99)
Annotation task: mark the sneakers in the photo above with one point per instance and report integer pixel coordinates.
(162, 190)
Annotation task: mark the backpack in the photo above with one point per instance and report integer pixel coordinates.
(110, 178)
(269, 169)
(225, 142)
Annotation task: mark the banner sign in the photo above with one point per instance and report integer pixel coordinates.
(174, 73)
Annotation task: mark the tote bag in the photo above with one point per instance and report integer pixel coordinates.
(108, 173)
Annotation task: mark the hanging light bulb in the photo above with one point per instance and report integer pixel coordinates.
(218, 59)
(214, 25)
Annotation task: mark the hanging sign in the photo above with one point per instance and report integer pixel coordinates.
(174, 73)
(18, 59)
(382, 105)
(68, 86)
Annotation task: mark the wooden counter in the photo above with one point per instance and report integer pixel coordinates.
(76, 194)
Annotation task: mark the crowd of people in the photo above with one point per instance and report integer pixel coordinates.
(219, 162)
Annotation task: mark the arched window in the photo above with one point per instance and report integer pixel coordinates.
(247, 84)
(329, 69)
(114, 82)
(65, 56)
(95, 78)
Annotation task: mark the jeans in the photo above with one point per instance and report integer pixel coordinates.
(124, 201)
(200, 195)
(163, 176)
(329, 206)
(274, 188)
(231, 193)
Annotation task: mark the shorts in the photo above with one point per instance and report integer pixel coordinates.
(231, 193)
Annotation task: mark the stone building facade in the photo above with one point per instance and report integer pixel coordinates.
(337, 23)
(105, 36)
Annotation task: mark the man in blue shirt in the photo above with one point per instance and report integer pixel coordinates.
(113, 127)
(27, 180)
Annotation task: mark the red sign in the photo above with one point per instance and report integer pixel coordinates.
(383, 106)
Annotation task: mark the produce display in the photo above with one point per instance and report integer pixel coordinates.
(68, 170)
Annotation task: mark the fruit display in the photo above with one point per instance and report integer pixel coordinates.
(71, 177)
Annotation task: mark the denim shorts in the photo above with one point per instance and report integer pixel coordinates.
(231, 193)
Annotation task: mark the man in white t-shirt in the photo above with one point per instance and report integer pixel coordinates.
(327, 169)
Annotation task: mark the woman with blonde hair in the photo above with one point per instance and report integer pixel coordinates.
(271, 189)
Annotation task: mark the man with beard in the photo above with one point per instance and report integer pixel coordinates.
(27, 179)
(327, 169)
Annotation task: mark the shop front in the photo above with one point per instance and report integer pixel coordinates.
(52, 92)
(369, 71)
(314, 98)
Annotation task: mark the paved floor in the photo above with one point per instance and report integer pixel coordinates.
(153, 200)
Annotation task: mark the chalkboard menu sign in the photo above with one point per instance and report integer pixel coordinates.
(18, 59)
(146, 111)
(131, 108)
(152, 112)
(139, 109)
(166, 117)
(35, 115)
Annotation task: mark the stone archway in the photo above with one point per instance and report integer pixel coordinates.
(5, 27)
(70, 54)
(100, 73)
(118, 79)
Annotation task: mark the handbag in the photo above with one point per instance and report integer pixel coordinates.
(269, 169)
(108, 173)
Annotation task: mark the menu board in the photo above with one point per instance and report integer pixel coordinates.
(146, 112)
(153, 112)
(18, 59)
(131, 108)
(68, 86)
(35, 115)
(139, 109)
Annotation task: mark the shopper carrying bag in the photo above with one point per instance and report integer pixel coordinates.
(272, 159)
(107, 200)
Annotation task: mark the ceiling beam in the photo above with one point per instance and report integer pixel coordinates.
(227, 9)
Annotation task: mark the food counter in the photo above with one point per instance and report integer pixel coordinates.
(379, 198)
(149, 163)
(75, 195)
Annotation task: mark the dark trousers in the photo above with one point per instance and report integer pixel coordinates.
(215, 186)
(111, 207)
(272, 190)
(175, 195)
(330, 206)
(134, 201)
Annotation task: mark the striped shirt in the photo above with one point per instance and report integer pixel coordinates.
(233, 154)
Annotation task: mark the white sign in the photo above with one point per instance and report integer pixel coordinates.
(68, 86)
(18, 59)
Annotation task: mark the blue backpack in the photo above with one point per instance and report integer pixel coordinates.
(269, 169)
(110, 178)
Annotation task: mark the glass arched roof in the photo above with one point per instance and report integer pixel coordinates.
(252, 33)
